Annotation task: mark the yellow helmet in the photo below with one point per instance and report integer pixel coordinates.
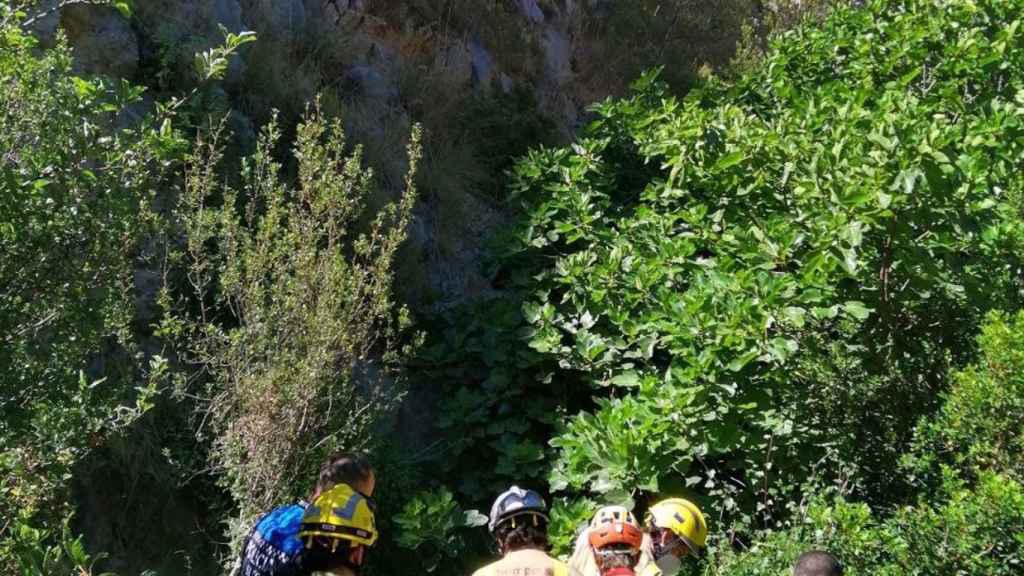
(683, 518)
(613, 514)
(342, 513)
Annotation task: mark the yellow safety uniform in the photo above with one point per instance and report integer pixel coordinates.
(527, 562)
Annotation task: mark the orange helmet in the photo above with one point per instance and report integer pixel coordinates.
(615, 532)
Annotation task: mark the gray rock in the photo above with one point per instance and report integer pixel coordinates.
(147, 287)
(601, 9)
(531, 10)
(369, 82)
(481, 63)
(339, 5)
(285, 16)
(457, 64)
(227, 13)
(47, 19)
(557, 56)
(132, 114)
(102, 41)
(243, 130)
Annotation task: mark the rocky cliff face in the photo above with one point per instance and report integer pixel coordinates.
(377, 56)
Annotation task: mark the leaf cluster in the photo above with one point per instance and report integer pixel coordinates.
(431, 523)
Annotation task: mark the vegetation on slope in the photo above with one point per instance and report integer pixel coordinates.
(75, 208)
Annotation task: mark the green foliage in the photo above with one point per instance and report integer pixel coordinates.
(429, 524)
(37, 555)
(213, 63)
(293, 320)
(970, 531)
(970, 518)
(82, 191)
(567, 517)
(498, 128)
(497, 410)
(979, 428)
(684, 36)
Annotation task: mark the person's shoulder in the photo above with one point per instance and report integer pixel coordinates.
(563, 569)
(486, 570)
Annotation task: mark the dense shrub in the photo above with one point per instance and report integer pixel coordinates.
(725, 268)
(970, 531)
(770, 278)
(969, 521)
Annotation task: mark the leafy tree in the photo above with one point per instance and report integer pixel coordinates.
(722, 266)
(76, 197)
(770, 278)
(81, 191)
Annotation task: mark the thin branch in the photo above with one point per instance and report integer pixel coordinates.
(60, 6)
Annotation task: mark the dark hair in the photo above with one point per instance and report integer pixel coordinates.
(817, 563)
(522, 533)
(342, 468)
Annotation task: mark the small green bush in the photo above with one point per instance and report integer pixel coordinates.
(969, 519)
(974, 531)
(980, 427)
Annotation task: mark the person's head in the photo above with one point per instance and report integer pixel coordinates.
(519, 520)
(615, 537)
(817, 563)
(349, 468)
(336, 530)
(677, 528)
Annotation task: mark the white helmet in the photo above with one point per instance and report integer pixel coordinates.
(607, 514)
(514, 502)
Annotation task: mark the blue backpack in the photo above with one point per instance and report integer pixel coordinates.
(273, 547)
